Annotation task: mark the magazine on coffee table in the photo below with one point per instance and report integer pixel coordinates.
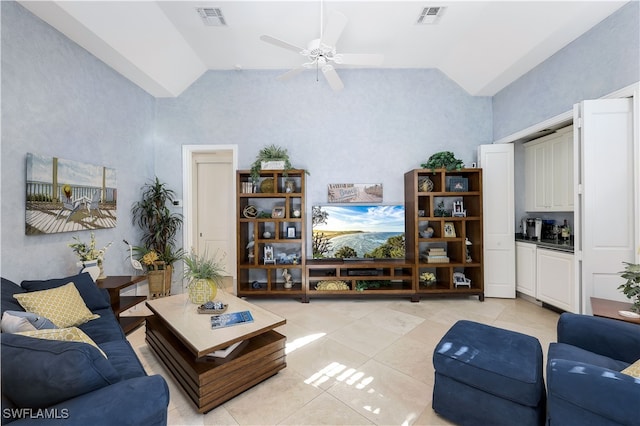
(229, 319)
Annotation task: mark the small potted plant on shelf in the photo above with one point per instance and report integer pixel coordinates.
(443, 159)
(270, 157)
(631, 288)
(428, 278)
(204, 275)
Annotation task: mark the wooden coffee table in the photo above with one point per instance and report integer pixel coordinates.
(182, 338)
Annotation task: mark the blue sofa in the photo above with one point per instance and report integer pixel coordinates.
(584, 383)
(71, 383)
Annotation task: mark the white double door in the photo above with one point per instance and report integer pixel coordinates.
(606, 202)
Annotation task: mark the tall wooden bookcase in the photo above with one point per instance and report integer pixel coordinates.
(443, 237)
(271, 233)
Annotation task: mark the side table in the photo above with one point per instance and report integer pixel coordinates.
(609, 309)
(113, 284)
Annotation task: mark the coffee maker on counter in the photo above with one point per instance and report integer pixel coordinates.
(532, 228)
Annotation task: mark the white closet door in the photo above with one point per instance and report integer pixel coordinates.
(605, 196)
(499, 220)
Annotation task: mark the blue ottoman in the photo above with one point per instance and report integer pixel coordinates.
(488, 376)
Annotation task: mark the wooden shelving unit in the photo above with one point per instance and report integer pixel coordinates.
(114, 284)
(271, 214)
(425, 205)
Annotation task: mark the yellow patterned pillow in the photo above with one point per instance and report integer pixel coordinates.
(62, 305)
(71, 334)
(633, 370)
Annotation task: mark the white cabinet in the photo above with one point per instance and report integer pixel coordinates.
(549, 172)
(555, 279)
(526, 268)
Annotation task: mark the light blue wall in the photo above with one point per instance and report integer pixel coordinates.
(605, 59)
(59, 100)
(381, 125)
(601, 61)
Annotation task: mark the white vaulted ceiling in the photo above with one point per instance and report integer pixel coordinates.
(164, 46)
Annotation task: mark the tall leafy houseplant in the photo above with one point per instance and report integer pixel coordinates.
(159, 225)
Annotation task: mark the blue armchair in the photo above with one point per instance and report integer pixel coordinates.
(584, 383)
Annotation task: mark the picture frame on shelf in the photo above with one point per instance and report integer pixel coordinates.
(458, 209)
(449, 230)
(268, 255)
(291, 232)
(457, 184)
(277, 212)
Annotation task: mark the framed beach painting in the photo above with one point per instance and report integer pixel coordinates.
(354, 193)
(65, 195)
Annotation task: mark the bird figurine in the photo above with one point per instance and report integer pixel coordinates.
(134, 262)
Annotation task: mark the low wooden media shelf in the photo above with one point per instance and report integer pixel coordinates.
(388, 277)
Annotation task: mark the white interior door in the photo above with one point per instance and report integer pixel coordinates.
(213, 201)
(606, 196)
(498, 206)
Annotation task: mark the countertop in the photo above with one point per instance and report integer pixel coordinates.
(548, 243)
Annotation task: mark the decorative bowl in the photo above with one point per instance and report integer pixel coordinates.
(213, 307)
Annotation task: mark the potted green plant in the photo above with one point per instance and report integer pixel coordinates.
(159, 226)
(631, 288)
(268, 154)
(204, 275)
(443, 159)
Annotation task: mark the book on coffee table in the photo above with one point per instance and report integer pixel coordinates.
(229, 319)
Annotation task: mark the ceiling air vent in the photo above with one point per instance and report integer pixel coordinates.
(430, 15)
(212, 16)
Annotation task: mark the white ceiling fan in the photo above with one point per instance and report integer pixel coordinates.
(321, 52)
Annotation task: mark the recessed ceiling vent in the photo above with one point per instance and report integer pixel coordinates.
(212, 16)
(430, 15)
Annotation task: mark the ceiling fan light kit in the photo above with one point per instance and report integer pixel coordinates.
(321, 52)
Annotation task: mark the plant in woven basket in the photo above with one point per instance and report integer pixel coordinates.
(631, 288)
(159, 225)
(204, 274)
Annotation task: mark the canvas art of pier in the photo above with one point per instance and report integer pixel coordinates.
(66, 196)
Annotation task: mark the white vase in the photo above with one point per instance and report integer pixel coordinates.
(90, 266)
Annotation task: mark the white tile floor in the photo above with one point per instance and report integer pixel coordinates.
(354, 361)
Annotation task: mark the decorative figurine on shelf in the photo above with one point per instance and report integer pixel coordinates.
(458, 209)
(288, 283)
(268, 255)
(460, 280)
(250, 254)
(468, 244)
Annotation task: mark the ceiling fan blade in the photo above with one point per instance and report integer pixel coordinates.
(333, 29)
(291, 73)
(372, 59)
(280, 43)
(332, 78)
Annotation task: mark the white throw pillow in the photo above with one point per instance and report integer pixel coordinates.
(15, 324)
